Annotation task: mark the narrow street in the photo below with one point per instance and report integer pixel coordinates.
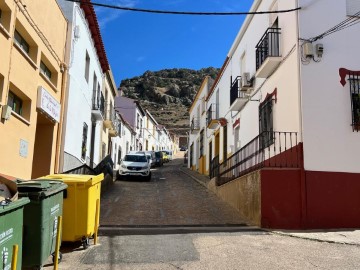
(173, 199)
(170, 198)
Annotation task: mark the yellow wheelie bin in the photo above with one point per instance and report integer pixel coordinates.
(81, 209)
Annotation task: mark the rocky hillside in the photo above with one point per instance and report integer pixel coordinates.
(167, 94)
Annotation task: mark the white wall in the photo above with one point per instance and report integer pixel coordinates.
(286, 110)
(80, 92)
(329, 142)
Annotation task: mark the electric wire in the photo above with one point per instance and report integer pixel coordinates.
(350, 21)
(181, 12)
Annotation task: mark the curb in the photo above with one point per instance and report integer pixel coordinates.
(156, 230)
(313, 239)
(193, 177)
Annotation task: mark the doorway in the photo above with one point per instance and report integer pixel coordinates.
(43, 147)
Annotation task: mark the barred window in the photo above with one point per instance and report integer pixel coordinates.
(266, 123)
(84, 141)
(201, 143)
(355, 103)
(225, 142)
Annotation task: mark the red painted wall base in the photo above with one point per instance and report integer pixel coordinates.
(321, 200)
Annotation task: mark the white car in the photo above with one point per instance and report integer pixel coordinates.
(134, 165)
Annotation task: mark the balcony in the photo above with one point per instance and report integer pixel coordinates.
(98, 106)
(238, 97)
(195, 125)
(110, 119)
(269, 149)
(212, 117)
(268, 55)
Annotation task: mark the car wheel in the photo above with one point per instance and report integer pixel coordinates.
(149, 177)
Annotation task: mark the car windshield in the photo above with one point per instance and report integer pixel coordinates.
(157, 154)
(135, 158)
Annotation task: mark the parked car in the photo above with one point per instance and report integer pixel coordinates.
(169, 154)
(151, 157)
(134, 165)
(165, 156)
(159, 159)
(183, 148)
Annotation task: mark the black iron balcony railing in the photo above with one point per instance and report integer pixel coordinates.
(284, 152)
(98, 102)
(195, 124)
(269, 45)
(235, 90)
(211, 114)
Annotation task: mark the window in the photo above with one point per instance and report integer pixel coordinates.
(217, 105)
(137, 121)
(19, 40)
(203, 105)
(15, 103)
(355, 103)
(87, 66)
(5, 19)
(224, 142)
(103, 150)
(45, 70)
(266, 123)
(84, 141)
(201, 143)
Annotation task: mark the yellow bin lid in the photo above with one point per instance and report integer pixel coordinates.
(75, 178)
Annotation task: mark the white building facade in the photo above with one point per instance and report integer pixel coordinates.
(285, 109)
(85, 109)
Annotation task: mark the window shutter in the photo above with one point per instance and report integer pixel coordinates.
(352, 7)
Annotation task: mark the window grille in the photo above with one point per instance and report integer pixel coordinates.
(225, 142)
(201, 143)
(84, 141)
(266, 123)
(355, 101)
(87, 66)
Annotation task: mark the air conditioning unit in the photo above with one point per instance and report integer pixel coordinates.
(6, 112)
(246, 82)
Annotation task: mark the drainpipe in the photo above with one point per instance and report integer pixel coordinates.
(59, 154)
(303, 188)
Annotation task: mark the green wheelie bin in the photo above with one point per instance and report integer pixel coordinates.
(40, 220)
(11, 231)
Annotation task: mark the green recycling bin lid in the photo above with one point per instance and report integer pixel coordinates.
(39, 189)
(8, 205)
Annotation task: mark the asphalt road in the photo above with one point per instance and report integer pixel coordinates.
(172, 199)
(211, 251)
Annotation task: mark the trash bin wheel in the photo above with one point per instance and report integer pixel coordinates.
(59, 259)
(85, 242)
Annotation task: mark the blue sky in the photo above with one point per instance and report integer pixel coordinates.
(137, 42)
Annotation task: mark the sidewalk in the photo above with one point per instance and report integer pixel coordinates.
(339, 236)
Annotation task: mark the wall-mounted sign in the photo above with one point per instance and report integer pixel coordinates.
(48, 104)
(24, 145)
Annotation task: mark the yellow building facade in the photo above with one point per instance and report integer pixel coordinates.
(32, 53)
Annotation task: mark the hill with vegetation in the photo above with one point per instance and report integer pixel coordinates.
(167, 94)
